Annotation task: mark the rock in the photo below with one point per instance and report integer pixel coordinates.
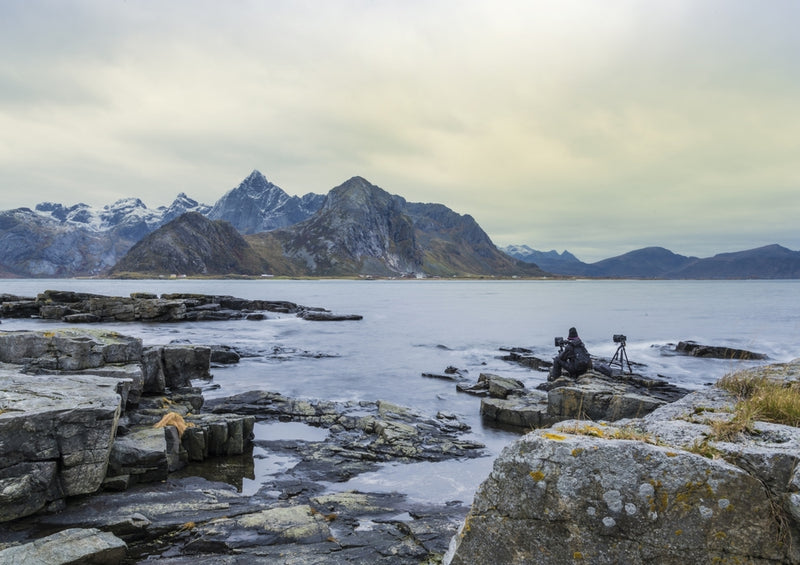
(141, 456)
(494, 386)
(68, 547)
(450, 374)
(78, 307)
(610, 501)
(593, 396)
(325, 316)
(526, 412)
(716, 352)
(185, 362)
(68, 349)
(644, 491)
(155, 382)
(273, 526)
(224, 354)
(56, 434)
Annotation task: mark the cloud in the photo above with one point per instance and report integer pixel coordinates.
(571, 124)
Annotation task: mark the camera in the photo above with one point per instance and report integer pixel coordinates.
(558, 341)
(619, 338)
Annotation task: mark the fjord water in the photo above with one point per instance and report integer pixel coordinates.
(412, 327)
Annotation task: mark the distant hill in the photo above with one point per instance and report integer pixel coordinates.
(769, 262)
(649, 262)
(362, 229)
(191, 245)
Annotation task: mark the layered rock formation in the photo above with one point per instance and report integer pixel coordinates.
(80, 307)
(80, 409)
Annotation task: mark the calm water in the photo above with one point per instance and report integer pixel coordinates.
(411, 327)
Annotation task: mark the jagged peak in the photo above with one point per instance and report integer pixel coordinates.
(129, 202)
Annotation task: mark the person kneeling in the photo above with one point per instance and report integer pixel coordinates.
(574, 358)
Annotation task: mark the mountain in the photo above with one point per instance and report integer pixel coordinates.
(362, 229)
(34, 245)
(191, 245)
(649, 262)
(54, 240)
(257, 205)
(551, 261)
(768, 262)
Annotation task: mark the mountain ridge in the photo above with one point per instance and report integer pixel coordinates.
(766, 262)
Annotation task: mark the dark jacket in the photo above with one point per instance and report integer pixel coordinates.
(575, 350)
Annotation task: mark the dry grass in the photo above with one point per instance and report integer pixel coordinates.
(174, 419)
(766, 398)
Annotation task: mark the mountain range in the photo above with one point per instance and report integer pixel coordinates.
(768, 262)
(356, 229)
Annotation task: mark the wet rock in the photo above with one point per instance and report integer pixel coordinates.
(716, 352)
(78, 307)
(325, 316)
(450, 374)
(224, 354)
(494, 386)
(141, 455)
(185, 362)
(69, 547)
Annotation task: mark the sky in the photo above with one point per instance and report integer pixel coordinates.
(597, 127)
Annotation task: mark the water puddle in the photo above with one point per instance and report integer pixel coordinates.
(292, 431)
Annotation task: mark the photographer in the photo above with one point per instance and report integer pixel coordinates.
(574, 357)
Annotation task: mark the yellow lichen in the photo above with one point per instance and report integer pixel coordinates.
(577, 451)
(555, 437)
(536, 475)
(577, 555)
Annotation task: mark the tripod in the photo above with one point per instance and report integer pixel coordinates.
(621, 357)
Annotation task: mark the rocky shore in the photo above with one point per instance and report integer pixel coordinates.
(667, 487)
(108, 454)
(80, 307)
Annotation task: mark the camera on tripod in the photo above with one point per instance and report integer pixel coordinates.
(559, 341)
(621, 356)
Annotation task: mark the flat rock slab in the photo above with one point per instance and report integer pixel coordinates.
(68, 547)
(68, 349)
(56, 434)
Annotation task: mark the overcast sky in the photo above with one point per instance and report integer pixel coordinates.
(594, 126)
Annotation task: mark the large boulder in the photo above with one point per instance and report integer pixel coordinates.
(56, 434)
(558, 498)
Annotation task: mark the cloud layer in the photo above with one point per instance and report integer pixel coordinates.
(598, 127)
